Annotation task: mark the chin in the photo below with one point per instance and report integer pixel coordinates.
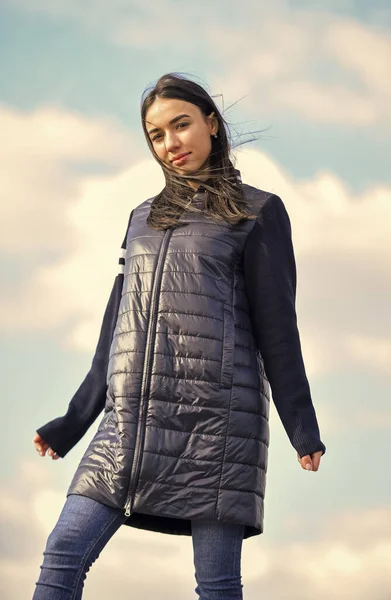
(186, 169)
(193, 168)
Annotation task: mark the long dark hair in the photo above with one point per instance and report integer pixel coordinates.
(224, 198)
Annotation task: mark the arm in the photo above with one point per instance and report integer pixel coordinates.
(64, 432)
(270, 282)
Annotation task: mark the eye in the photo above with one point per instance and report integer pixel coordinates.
(181, 125)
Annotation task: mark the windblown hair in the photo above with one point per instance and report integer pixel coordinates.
(224, 198)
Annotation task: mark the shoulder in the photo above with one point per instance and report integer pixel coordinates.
(261, 201)
(143, 206)
(255, 194)
(141, 209)
(137, 212)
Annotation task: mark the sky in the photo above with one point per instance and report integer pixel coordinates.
(313, 78)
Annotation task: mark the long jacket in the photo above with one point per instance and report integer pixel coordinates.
(204, 322)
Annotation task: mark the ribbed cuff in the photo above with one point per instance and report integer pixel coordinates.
(53, 435)
(307, 445)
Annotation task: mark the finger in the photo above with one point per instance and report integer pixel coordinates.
(306, 462)
(316, 461)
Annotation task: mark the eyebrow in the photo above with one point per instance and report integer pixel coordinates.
(174, 120)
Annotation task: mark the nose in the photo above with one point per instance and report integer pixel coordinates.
(172, 142)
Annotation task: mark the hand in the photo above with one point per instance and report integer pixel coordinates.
(41, 446)
(310, 462)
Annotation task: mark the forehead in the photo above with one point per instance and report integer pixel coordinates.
(164, 109)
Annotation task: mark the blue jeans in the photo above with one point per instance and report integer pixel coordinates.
(84, 528)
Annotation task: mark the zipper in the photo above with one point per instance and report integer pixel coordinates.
(146, 379)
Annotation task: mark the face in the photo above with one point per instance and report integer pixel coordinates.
(177, 127)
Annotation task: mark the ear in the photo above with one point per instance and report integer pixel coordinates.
(213, 123)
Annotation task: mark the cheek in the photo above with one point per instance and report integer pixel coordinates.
(206, 147)
(159, 150)
(199, 144)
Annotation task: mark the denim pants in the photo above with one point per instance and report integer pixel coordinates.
(85, 526)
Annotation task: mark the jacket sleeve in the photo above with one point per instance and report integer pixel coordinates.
(63, 433)
(270, 284)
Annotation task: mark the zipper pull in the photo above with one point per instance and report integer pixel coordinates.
(127, 508)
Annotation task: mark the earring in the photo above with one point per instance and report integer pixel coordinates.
(215, 135)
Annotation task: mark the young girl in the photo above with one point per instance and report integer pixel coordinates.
(200, 320)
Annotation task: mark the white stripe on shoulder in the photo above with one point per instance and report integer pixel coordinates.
(121, 261)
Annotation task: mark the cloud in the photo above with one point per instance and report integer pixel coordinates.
(362, 50)
(316, 63)
(46, 155)
(347, 557)
(68, 223)
(343, 254)
(38, 153)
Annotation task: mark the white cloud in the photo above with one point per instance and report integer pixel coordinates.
(100, 217)
(373, 352)
(341, 241)
(347, 558)
(343, 254)
(316, 63)
(363, 50)
(38, 153)
(43, 155)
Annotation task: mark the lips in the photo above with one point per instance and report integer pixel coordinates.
(179, 157)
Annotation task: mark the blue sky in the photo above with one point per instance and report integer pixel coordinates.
(75, 163)
(57, 60)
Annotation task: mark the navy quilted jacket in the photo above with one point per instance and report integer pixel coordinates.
(198, 324)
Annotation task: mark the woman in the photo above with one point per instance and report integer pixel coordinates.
(200, 320)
